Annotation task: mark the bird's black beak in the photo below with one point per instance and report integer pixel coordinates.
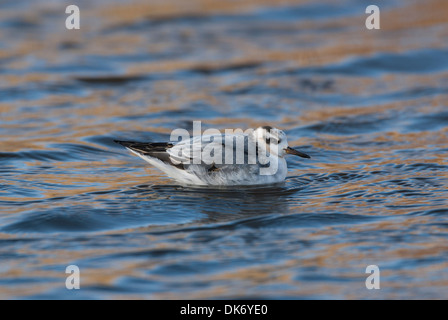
(290, 150)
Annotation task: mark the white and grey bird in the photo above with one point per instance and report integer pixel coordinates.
(252, 158)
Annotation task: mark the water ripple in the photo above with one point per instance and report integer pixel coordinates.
(371, 113)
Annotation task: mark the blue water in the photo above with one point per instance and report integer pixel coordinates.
(370, 107)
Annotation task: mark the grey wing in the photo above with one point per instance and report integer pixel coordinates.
(215, 150)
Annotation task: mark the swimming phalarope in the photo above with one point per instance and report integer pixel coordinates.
(188, 163)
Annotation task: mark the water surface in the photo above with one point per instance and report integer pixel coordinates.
(370, 107)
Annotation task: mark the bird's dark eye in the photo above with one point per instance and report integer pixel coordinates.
(268, 140)
(279, 141)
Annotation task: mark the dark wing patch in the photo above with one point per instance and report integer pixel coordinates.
(145, 148)
(152, 149)
(213, 168)
(268, 128)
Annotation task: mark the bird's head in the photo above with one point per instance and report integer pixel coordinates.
(274, 141)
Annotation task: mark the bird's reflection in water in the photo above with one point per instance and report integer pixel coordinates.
(224, 203)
